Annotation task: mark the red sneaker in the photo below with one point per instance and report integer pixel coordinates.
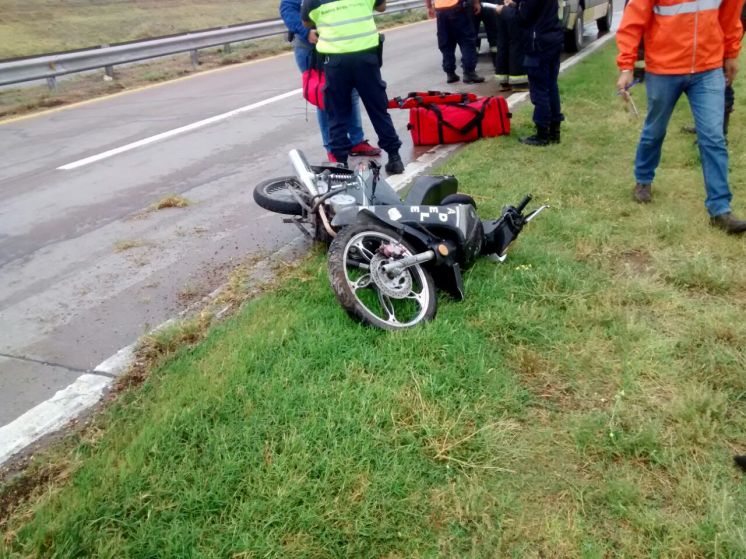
(330, 157)
(365, 149)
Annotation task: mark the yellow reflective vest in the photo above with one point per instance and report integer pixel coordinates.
(344, 26)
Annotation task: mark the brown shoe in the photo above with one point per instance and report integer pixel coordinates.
(643, 193)
(729, 223)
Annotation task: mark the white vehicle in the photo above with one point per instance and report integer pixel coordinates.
(575, 13)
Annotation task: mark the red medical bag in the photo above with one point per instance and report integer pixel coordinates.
(448, 123)
(313, 87)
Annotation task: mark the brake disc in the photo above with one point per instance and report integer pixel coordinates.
(398, 287)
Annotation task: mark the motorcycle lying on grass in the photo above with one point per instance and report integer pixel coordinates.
(387, 255)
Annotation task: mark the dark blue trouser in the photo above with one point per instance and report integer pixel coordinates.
(509, 56)
(455, 27)
(543, 71)
(359, 71)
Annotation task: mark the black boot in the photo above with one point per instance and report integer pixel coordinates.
(541, 138)
(472, 77)
(394, 166)
(452, 77)
(729, 223)
(554, 133)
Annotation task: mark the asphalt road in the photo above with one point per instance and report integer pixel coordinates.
(68, 297)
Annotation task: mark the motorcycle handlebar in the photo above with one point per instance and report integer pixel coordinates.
(522, 205)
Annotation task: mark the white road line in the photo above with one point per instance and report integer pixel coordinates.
(176, 131)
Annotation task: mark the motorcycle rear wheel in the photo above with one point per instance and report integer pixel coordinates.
(365, 292)
(274, 195)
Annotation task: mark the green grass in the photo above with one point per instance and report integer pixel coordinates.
(37, 26)
(583, 401)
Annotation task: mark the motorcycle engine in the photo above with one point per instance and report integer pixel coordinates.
(340, 202)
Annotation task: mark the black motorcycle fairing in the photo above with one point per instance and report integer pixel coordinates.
(420, 238)
(431, 189)
(458, 223)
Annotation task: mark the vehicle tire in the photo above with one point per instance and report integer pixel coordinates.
(366, 292)
(604, 23)
(458, 198)
(574, 38)
(274, 195)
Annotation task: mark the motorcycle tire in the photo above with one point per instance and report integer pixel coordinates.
(369, 296)
(274, 195)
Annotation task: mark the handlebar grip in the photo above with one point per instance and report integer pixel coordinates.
(523, 203)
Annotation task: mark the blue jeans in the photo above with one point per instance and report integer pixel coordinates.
(354, 125)
(706, 94)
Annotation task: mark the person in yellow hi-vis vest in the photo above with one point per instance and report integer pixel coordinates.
(455, 19)
(351, 47)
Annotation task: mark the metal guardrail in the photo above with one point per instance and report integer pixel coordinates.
(50, 66)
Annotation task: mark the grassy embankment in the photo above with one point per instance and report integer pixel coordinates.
(584, 401)
(32, 27)
(45, 26)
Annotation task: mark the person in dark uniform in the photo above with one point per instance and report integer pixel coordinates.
(489, 18)
(509, 70)
(456, 27)
(352, 48)
(543, 38)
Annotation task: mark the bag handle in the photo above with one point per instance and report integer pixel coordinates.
(476, 120)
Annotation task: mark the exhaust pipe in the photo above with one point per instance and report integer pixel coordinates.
(303, 171)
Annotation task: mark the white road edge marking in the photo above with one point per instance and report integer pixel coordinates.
(176, 131)
(88, 389)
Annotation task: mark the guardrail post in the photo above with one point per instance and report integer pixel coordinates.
(195, 57)
(52, 83)
(108, 70)
(227, 48)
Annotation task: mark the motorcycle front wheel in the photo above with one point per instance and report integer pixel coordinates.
(354, 263)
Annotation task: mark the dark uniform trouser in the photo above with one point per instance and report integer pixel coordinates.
(489, 18)
(509, 58)
(360, 71)
(543, 71)
(455, 27)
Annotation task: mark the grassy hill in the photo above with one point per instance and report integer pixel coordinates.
(31, 27)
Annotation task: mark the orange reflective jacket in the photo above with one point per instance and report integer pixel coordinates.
(446, 4)
(681, 36)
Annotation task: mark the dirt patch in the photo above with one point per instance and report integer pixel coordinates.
(542, 378)
(171, 201)
(637, 261)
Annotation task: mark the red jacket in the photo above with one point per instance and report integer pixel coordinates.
(681, 36)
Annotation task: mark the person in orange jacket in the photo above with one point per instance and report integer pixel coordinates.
(691, 48)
